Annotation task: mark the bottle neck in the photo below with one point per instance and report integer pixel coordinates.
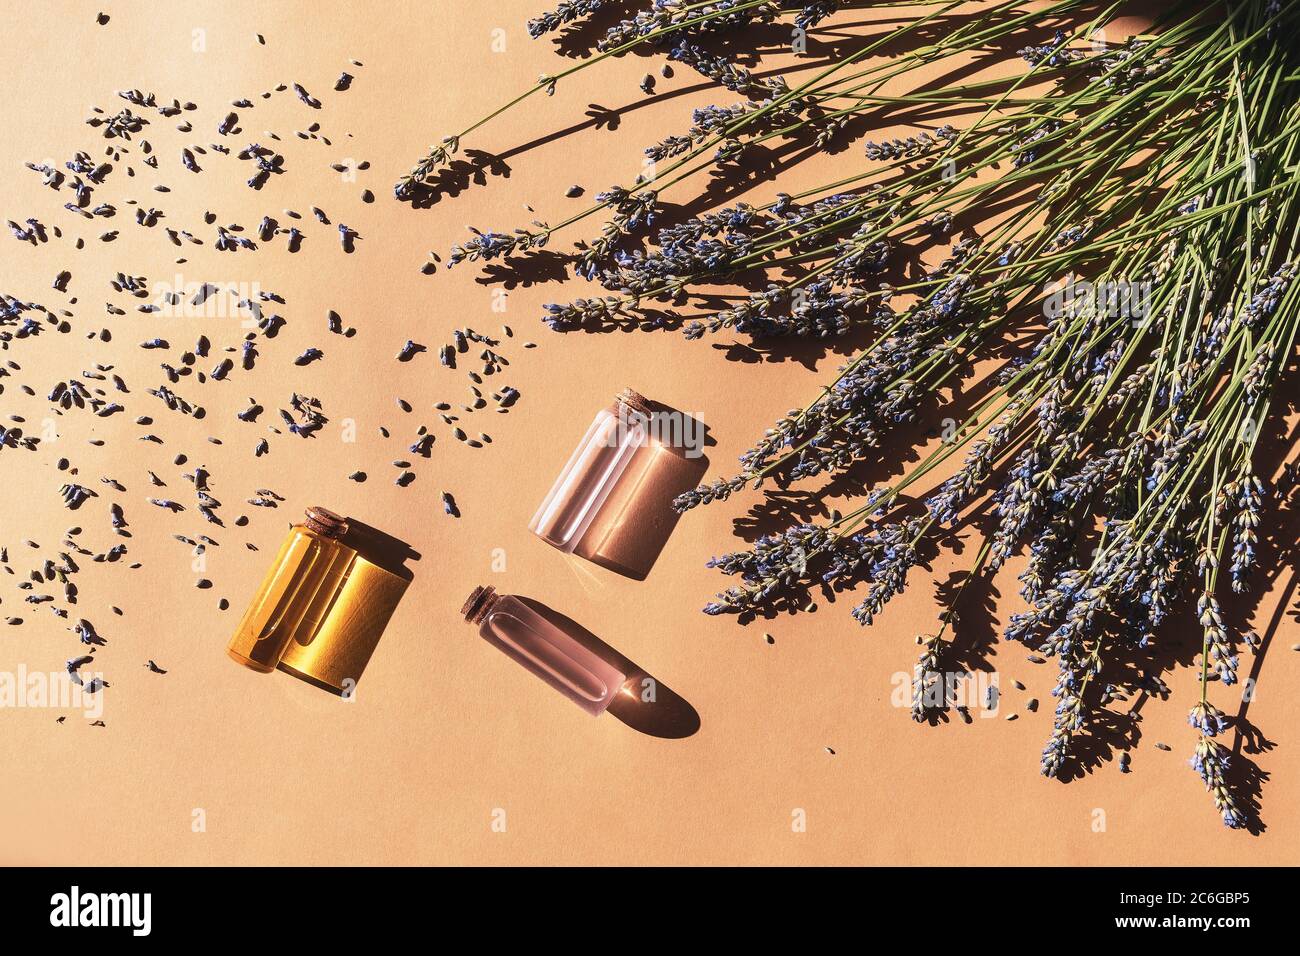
(480, 603)
(633, 403)
(325, 522)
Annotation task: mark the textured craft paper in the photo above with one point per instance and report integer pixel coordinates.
(445, 732)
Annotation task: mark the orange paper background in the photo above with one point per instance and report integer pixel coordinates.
(445, 732)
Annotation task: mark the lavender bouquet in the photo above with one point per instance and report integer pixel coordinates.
(1114, 226)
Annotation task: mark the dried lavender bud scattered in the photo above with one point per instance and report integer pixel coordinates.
(409, 351)
(343, 82)
(449, 505)
(357, 476)
(73, 665)
(74, 496)
(573, 192)
(308, 356)
(87, 634)
(306, 97)
(405, 478)
(154, 667)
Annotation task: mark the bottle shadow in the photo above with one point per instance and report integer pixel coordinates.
(637, 519)
(645, 703)
(380, 548)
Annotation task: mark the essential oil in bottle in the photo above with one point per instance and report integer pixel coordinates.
(545, 648)
(297, 593)
(638, 516)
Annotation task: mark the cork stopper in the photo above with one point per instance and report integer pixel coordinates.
(325, 522)
(476, 605)
(633, 401)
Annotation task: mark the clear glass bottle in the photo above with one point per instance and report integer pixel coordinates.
(592, 471)
(544, 648)
(297, 593)
(637, 517)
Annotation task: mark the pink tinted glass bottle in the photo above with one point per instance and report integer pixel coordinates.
(544, 648)
(592, 471)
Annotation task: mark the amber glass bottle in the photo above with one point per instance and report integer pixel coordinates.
(297, 593)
